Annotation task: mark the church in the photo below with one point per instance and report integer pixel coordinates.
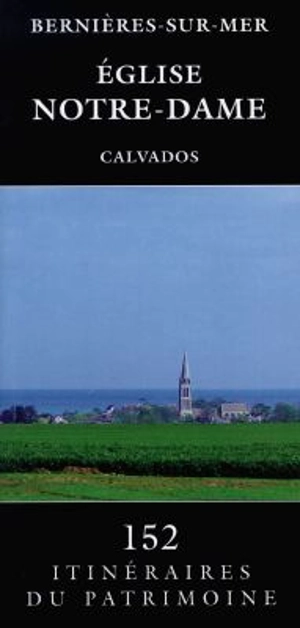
(226, 413)
(185, 393)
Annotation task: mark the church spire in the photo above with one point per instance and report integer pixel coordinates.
(185, 395)
(185, 370)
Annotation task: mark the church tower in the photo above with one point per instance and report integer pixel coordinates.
(185, 395)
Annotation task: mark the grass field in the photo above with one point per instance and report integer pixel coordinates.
(122, 462)
(83, 485)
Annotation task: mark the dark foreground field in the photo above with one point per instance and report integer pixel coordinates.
(150, 462)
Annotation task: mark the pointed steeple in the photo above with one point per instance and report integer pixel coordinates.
(185, 395)
(185, 371)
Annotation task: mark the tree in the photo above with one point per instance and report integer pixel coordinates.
(210, 408)
(147, 414)
(285, 412)
(19, 414)
(30, 413)
(260, 409)
(7, 416)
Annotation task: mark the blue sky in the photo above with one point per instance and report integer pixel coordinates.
(105, 287)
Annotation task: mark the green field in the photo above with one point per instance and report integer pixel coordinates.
(124, 461)
(83, 485)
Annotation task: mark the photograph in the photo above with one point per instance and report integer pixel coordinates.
(149, 343)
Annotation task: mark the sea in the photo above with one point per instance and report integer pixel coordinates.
(67, 401)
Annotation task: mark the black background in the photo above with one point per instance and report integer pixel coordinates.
(234, 65)
(35, 536)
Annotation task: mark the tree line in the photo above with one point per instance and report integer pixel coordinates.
(281, 412)
(19, 414)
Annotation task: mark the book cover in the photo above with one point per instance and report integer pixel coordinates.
(149, 387)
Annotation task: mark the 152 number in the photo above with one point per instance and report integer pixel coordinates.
(151, 538)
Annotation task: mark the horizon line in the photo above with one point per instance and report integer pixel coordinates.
(151, 388)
